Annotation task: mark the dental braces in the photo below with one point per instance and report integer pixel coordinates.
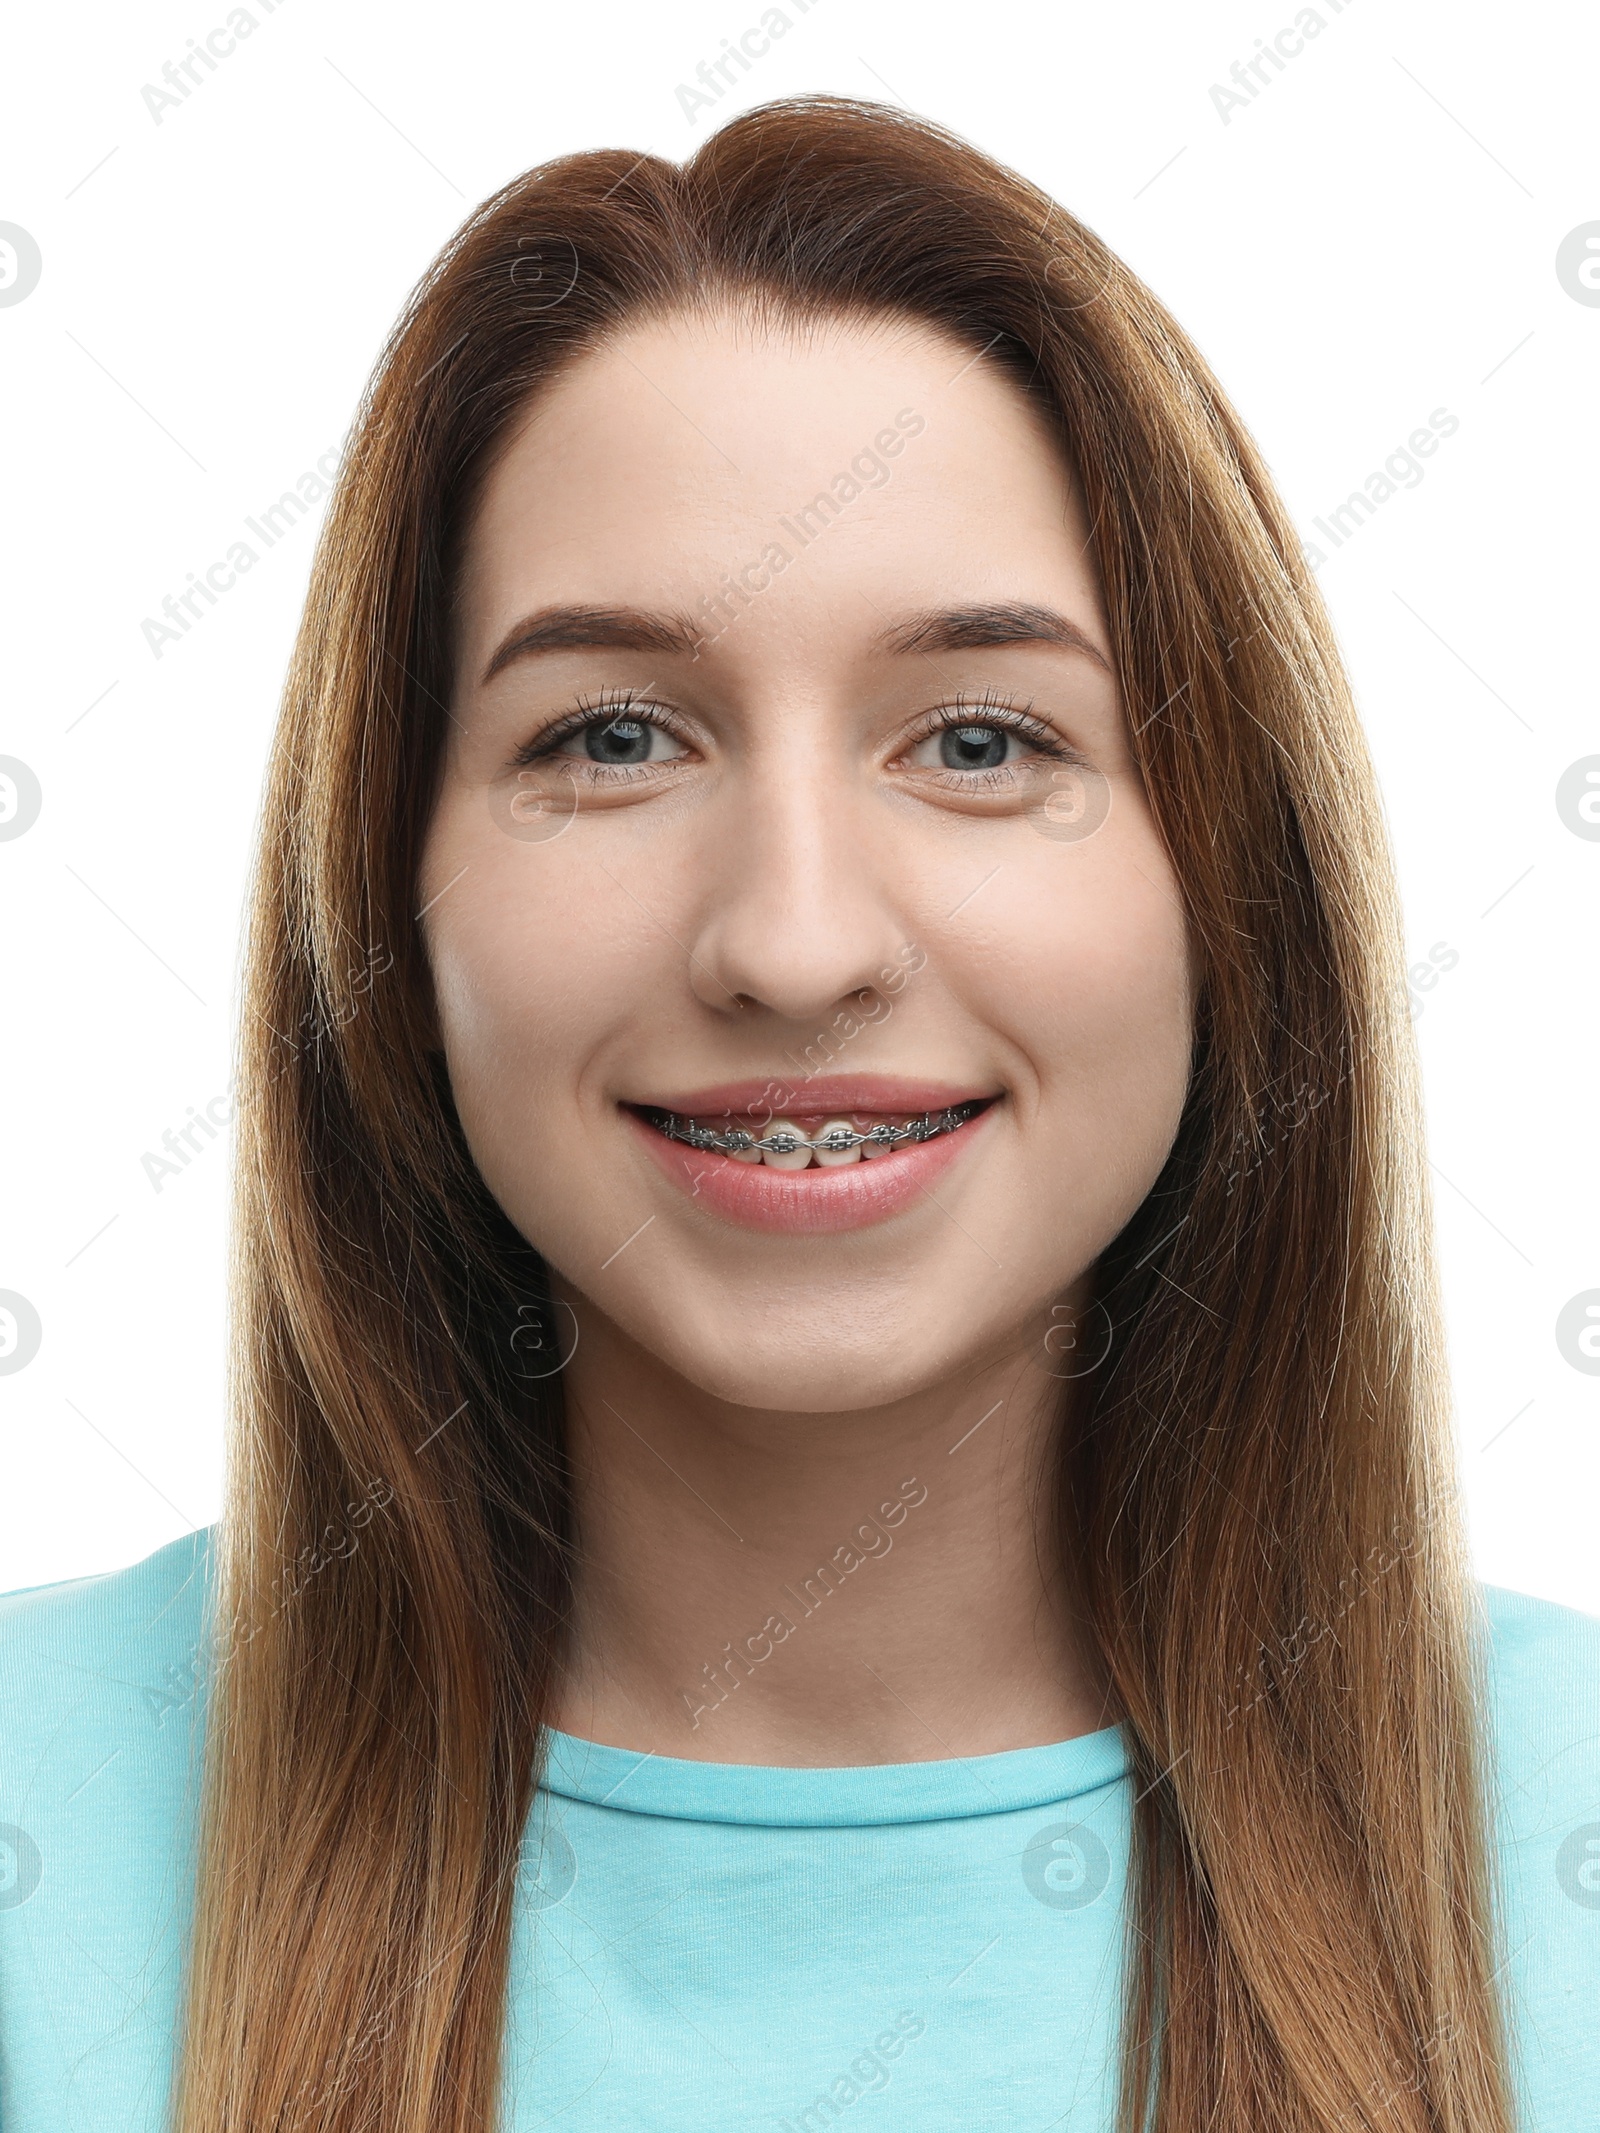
(837, 1141)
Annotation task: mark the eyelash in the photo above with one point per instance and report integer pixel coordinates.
(593, 711)
(987, 709)
(610, 704)
(991, 709)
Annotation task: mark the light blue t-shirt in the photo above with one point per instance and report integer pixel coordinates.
(912, 1946)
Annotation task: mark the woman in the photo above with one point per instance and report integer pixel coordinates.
(841, 1478)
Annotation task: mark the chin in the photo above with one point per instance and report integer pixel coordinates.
(853, 1365)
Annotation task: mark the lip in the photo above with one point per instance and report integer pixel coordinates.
(816, 1095)
(815, 1200)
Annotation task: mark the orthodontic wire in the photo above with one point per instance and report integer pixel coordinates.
(835, 1142)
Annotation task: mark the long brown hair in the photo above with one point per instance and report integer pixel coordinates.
(1256, 1499)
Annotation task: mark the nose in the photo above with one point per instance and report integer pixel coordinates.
(797, 917)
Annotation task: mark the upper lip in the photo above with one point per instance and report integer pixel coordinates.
(813, 1095)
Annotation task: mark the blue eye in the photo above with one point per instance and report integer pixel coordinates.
(625, 740)
(974, 744)
(620, 739)
(973, 747)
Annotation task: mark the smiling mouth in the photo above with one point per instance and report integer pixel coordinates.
(784, 1144)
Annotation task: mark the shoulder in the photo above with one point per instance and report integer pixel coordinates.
(81, 1622)
(1523, 1627)
(118, 1650)
(161, 1574)
(101, 1731)
(1543, 1680)
(1543, 1690)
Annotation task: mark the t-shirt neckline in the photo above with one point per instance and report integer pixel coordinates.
(788, 1796)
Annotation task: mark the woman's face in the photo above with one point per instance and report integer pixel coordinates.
(787, 780)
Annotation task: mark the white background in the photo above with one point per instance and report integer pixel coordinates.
(1373, 237)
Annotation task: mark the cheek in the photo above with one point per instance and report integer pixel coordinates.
(533, 962)
(1087, 973)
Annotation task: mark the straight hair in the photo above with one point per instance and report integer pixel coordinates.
(1256, 1502)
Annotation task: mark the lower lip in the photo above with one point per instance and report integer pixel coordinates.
(818, 1199)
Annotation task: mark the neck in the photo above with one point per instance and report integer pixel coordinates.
(757, 1586)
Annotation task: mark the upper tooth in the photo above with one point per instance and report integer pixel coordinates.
(795, 1158)
(831, 1158)
(878, 1147)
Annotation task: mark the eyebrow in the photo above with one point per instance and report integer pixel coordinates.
(633, 629)
(961, 629)
(611, 629)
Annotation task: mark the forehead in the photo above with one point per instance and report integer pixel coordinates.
(687, 448)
